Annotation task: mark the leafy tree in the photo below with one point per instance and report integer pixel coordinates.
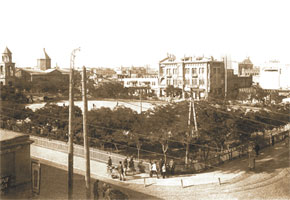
(111, 90)
(260, 94)
(12, 107)
(23, 85)
(162, 120)
(171, 91)
(54, 119)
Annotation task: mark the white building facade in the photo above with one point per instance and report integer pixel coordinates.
(275, 76)
(199, 75)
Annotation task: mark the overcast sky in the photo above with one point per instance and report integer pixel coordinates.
(112, 33)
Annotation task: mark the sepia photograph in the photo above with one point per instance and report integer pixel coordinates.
(145, 99)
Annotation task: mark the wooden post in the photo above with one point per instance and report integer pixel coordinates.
(86, 141)
(194, 119)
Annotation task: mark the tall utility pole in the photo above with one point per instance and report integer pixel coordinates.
(86, 141)
(194, 118)
(70, 126)
(192, 110)
(226, 75)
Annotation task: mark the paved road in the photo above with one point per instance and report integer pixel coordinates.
(270, 180)
(54, 185)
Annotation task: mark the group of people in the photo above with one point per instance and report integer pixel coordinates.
(122, 168)
(159, 168)
(162, 168)
(101, 190)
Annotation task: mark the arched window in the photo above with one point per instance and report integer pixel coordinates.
(1, 69)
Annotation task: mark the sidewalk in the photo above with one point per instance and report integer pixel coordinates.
(271, 166)
(99, 170)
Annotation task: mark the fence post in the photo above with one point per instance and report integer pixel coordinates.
(219, 181)
(181, 183)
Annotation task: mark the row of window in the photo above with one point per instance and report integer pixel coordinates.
(187, 71)
(194, 71)
(216, 70)
(194, 81)
(135, 83)
(10, 71)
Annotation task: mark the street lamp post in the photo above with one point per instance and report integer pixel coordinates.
(70, 128)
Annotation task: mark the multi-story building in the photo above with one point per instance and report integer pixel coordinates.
(202, 76)
(135, 72)
(274, 76)
(7, 68)
(246, 65)
(236, 82)
(147, 85)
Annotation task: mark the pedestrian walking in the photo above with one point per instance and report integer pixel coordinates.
(125, 162)
(163, 170)
(252, 161)
(121, 171)
(167, 170)
(172, 167)
(96, 189)
(273, 140)
(131, 165)
(159, 167)
(109, 165)
(257, 149)
(154, 169)
(104, 189)
(150, 167)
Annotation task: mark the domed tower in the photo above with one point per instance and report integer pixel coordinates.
(7, 68)
(44, 63)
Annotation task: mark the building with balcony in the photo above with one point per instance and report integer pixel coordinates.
(147, 85)
(203, 76)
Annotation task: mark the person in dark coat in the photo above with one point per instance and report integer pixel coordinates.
(163, 170)
(160, 164)
(121, 171)
(109, 167)
(96, 189)
(131, 165)
(257, 149)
